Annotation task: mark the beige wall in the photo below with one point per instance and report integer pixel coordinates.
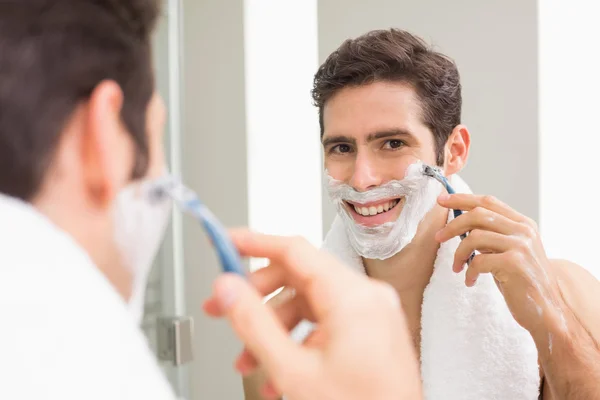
(214, 164)
(495, 46)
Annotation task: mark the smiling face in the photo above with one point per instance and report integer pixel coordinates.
(388, 101)
(372, 134)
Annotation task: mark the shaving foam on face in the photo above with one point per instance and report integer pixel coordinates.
(383, 241)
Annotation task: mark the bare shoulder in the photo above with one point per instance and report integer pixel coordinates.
(581, 291)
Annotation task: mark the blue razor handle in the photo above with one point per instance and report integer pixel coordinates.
(450, 190)
(187, 200)
(228, 254)
(431, 172)
(442, 179)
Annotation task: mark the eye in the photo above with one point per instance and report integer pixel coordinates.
(394, 144)
(340, 149)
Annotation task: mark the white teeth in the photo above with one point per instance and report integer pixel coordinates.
(374, 210)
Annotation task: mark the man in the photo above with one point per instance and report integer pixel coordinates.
(80, 129)
(78, 234)
(387, 102)
(80, 133)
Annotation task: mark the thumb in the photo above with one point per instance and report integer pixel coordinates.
(256, 324)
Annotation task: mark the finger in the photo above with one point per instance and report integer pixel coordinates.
(483, 242)
(318, 274)
(257, 326)
(258, 245)
(269, 279)
(246, 363)
(266, 281)
(482, 264)
(316, 338)
(286, 294)
(211, 307)
(468, 202)
(478, 218)
(290, 313)
(268, 391)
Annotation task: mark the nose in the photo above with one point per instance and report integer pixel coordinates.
(366, 174)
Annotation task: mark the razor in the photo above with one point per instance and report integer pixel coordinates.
(437, 175)
(187, 200)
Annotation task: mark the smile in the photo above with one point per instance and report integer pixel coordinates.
(372, 209)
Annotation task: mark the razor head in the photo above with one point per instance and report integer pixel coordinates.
(429, 171)
(433, 173)
(169, 186)
(436, 174)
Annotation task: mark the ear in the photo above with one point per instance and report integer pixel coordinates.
(107, 150)
(457, 150)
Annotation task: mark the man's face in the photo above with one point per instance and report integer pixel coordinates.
(372, 133)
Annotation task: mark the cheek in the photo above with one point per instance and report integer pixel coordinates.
(157, 157)
(387, 169)
(156, 125)
(340, 170)
(398, 170)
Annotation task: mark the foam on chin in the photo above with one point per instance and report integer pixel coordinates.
(385, 240)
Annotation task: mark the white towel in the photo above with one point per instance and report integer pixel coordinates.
(471, 346)
(67, 333)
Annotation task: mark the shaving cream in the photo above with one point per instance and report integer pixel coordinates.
(383, 241)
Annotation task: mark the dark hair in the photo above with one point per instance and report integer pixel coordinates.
(52, 56)
(397, 56)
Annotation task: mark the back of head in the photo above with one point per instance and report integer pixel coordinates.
(53, 53)
(396, 56)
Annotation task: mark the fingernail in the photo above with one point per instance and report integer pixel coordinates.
(206, 305)
(226, 295)
(444, 197)
(269, 391)
(243, 369)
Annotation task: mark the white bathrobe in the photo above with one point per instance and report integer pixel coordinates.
(471, 346)
(66, 333)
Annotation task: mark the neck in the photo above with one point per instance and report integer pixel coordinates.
(93, 241)
(410, 270)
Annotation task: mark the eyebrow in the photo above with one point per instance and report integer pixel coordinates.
(329, 140)
(388, 133)
(337, 139)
